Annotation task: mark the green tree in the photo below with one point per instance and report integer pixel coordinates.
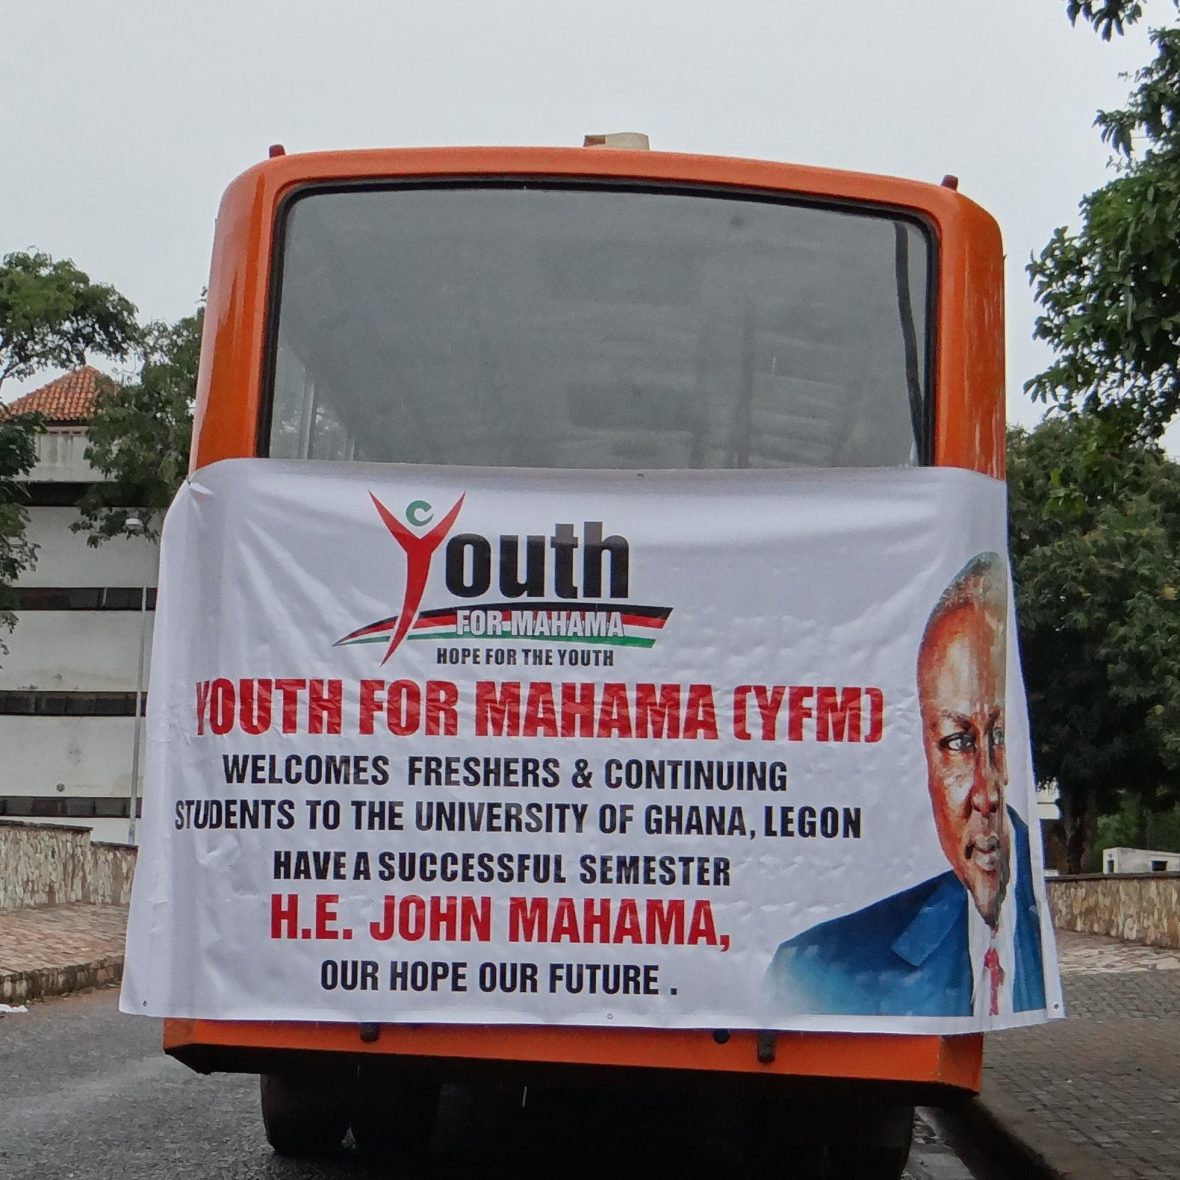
(1107, 16)
(18, 453)
(1095, 537)
(1110, 293)
(139, 434)
(52, 315)
(1133, 824)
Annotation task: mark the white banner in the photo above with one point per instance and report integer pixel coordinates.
(680, 750)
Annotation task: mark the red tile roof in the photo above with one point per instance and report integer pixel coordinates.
(68, 399)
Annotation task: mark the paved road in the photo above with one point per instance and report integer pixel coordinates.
(1098, 1093)
(85, 1092)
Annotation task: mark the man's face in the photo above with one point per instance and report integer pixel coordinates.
(961, 692)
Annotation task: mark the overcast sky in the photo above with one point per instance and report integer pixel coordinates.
(121, 121)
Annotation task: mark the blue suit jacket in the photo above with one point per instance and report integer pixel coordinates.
(907, 954)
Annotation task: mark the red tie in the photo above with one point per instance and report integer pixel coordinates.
(991, 960)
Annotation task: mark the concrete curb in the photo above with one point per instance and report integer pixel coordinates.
(990, 1131)
(18, 987)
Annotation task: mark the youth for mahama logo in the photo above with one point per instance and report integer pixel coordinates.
(574, 585)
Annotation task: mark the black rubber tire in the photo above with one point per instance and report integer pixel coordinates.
(393, 1114)
(873, 1145)
(304, 1116)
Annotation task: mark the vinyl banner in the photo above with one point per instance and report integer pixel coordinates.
(676, 750)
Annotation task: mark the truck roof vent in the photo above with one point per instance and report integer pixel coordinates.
(635, 141)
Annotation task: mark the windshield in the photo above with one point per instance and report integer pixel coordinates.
(532, 325)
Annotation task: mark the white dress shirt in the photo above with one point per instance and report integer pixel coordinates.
(981, 938)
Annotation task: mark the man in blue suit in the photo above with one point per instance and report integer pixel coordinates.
(966, 942)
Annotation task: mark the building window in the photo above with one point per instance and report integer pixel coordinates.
(67, 704)
(60, 807)
(83, 597)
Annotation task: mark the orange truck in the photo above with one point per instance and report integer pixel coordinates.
(316, 340)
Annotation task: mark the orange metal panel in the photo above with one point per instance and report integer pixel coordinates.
(926, 1060)
(969, 367)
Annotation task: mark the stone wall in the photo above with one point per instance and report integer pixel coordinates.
(49, 864)
(1136, 907)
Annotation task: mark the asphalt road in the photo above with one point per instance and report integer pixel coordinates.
(86, 1092)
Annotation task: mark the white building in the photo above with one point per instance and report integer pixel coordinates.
(67, 684)
(1048, 802)
(1139, 860)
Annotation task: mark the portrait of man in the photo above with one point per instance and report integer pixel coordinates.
(965, 942)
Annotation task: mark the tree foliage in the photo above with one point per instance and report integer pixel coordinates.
(1134, 824)
(1095, 536)
(18, 453)
(52, 315)
(1110, 293)
(1107, 16)
(139, 434)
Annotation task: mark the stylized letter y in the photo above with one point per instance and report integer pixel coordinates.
(419, 552)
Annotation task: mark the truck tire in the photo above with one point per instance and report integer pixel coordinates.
(873, 1144)
(304, 1115)
(393, 1114)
